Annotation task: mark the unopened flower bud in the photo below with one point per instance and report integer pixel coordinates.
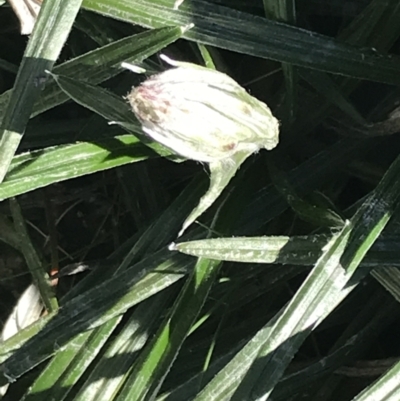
(202, 114)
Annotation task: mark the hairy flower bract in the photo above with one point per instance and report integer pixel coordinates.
(202, 114)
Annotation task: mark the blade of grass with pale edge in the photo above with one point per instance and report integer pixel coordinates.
(244, 33)
(48, 37)
(46, 166)
(334, 277)
(111, 298)
(101, 64)
(296, 250)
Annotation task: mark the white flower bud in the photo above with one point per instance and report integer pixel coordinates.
(202, 114)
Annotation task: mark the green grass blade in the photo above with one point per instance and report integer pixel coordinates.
(94, 308)
(158, 356)
(385, 388)
(37, 169)
(107, 105)
(35, 265)
(121, 354)
(389, 278)
(109, 297)
(66, 368)
(102, 64)
(48, 37)
(157, 236)
(244, 33)
(285, 11)
(41, 168)
(296, 250)
(333, 278)
(267, 202)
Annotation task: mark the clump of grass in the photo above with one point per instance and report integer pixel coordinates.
(286, 288)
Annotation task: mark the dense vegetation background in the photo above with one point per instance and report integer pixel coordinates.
(287, 288)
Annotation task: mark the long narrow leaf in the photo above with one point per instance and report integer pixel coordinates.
(158, 357)
(48, 37)
(333, 277)
(43, 167)
(244, 33)
(301, 250)
(102, 64)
